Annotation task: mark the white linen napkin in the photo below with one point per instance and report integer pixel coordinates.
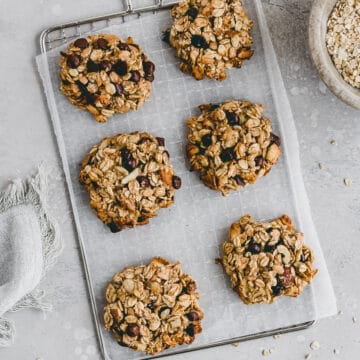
(29, 245)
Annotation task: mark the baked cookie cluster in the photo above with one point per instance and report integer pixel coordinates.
(104, 74)
(210, 36)
(152, 308)
(267, 260)
(231, 144)
(129, 177)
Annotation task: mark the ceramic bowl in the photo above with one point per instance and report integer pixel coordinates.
(319, 16)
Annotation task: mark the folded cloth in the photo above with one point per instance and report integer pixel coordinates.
(29, 245)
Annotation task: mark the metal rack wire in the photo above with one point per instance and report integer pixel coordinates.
(55, 36)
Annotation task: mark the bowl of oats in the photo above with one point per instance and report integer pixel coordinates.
(334, 39)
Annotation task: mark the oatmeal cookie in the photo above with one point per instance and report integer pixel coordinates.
(129, 177)
(152, 308)
(267, 260)
(210, 36)
(105, 75)
(231, 144)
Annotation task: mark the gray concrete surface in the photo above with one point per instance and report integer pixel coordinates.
(26, 139)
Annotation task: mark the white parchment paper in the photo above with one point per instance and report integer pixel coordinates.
(193, 229)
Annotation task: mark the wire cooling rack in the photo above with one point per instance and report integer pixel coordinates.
(55, 36)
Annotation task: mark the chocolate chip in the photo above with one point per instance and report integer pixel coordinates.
(239, 180)
(102, 43)
(190, 330)
(73, 61)
(166, 36)
(213, 107)
(105, 65)
(192, 12)
(113, 227)
(143, 181)
(133, 330)
(122, 344)
(123, 46)
(125, 154)
(92, 67)
(193, 316)
(161, 141)
(269, 230)
(269, 248)
(259, 160)
(151, 306)
(176, 182)
(149, 69)
(254, 248)
(65, 82)
(135, 76)
(277, 289)
(121, 67)
(119, 89)
(227, 154)
(212, 20)
(206, 140)
(199, 42)
(275, 139)
(85, 92)
(232, 118)
(130, 164)
(81, 43)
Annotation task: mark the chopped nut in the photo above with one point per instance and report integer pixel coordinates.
(347, 181)
(321, 166)
(315, 345)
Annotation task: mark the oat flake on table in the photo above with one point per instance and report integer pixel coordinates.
(343, 40)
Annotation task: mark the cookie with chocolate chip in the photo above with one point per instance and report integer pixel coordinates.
(104, 74)
(231, 144)
(210, 36)
(153, 307)
(267, 260)
(129, 177)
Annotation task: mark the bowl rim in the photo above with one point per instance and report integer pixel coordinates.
(318, 19)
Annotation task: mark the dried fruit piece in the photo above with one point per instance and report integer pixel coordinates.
(210, 36)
